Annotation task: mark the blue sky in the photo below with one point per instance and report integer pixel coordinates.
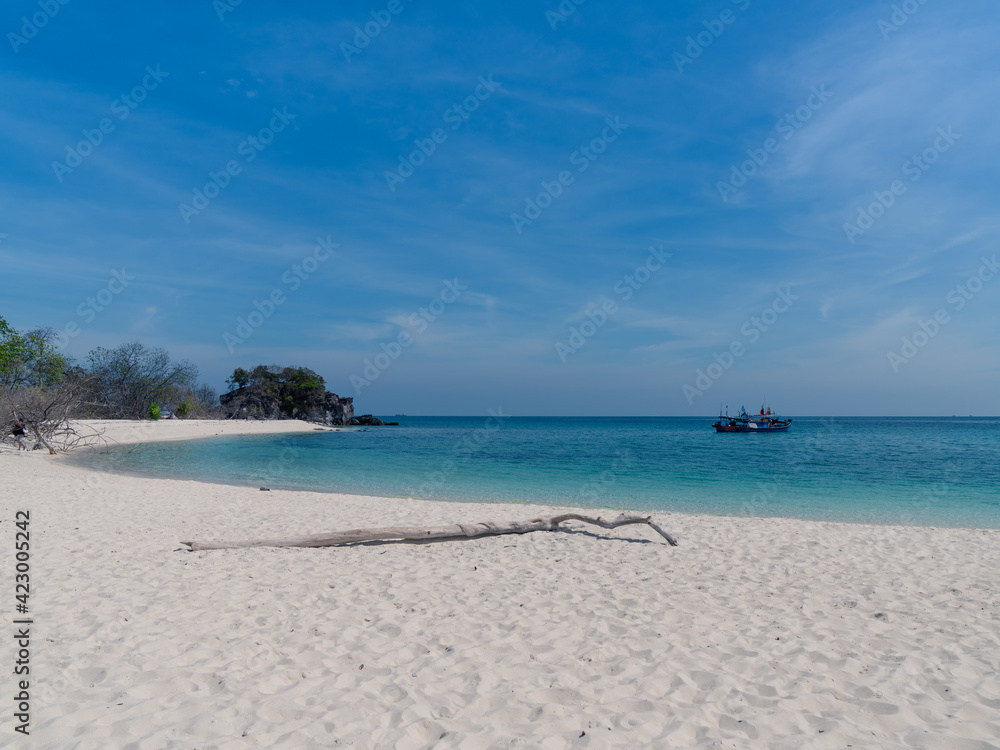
(833, 101)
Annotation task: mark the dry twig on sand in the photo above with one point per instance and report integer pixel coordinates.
(455, 531)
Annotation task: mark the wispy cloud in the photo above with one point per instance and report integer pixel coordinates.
(656, 184)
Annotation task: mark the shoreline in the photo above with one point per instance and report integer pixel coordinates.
(754, 632)
(133, 432)
(607, 509)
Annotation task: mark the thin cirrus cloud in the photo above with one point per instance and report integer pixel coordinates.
(658, 183)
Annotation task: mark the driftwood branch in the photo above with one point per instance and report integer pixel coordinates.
(459, 530)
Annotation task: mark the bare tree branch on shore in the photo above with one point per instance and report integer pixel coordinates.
(408, 533)
(45, 414)
(40, 389)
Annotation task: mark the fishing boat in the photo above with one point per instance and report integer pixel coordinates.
(763, 422)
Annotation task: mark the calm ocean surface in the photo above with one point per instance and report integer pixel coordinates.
(913, 471)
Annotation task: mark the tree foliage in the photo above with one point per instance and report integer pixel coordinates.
(40, 389)
(11, 349)
(260, 392)
(30, 359)
(44, 390)
(127, 380)
(239, 379)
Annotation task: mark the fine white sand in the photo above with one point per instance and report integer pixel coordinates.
(753, 633)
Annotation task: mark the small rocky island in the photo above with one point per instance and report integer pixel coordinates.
(273, 392)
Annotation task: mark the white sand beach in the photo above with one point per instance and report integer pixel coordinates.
(752, 633)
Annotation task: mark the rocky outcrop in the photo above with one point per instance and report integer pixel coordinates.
(251, 402)
(336, 409)
(369, 421)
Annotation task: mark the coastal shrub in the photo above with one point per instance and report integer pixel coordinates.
(154, 411)
(201, 402)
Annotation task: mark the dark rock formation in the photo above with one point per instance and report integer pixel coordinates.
(250, 402)
(368, 421)
(274, 392)
(337, 409)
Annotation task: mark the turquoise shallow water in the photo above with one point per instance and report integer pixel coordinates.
(912, 471)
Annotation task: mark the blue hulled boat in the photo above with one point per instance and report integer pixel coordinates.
(763, 422)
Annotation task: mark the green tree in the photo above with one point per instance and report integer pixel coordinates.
(271, 390)
(12, 347)
(239, 379)
(38, 387)
(30, 358)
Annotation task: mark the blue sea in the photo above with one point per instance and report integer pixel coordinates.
(910, 471)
